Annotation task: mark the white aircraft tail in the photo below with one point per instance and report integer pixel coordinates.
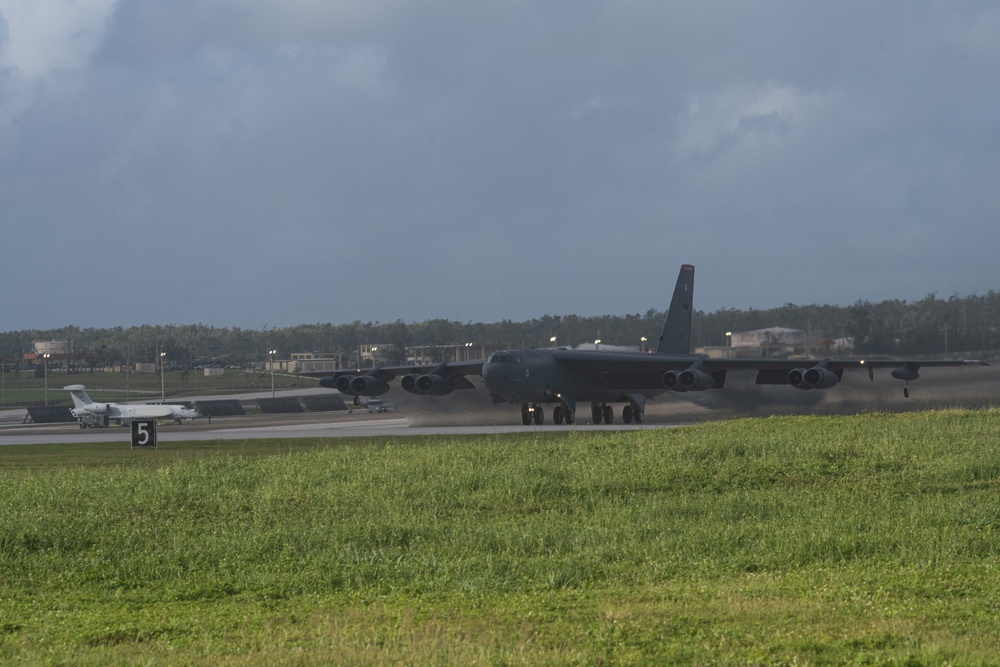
(79, 394)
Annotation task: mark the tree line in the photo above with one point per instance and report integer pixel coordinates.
(930, 326)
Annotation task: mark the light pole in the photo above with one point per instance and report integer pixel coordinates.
(374, 350)
(272, 353)
(163, 391)
(642, 344)
(552, 341)
(597, 344)
(729, 343)
(45, 358)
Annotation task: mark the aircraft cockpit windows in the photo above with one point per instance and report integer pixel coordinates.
(503, 358)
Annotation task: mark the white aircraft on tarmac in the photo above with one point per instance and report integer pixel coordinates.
(94, 414)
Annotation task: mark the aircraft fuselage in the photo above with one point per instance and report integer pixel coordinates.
(537, 376)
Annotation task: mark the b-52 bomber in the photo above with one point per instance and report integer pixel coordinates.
(536, 377)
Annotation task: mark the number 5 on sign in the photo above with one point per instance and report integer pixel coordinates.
(144, 433)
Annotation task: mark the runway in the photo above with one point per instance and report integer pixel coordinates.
(974, 388)
(309, 425)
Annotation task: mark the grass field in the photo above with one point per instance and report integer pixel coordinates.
(869, 540)
(24, 388)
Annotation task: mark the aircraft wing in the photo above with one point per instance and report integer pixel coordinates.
(389, 373)
(429, 379)
(694, 372)
(775, 371)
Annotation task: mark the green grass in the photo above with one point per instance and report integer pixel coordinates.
(24, 388)
(868, 540)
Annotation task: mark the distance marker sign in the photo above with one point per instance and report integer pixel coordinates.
(144, 433)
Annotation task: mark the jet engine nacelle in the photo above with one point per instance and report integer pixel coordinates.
(819, 377)
(367, 385)
(671, 380)
(434, 385)
(409, 383)
(695, 380)
(430, 384)
(97, 408)
(343, 385)
(688, 380)
(360, 385)
(796, 378)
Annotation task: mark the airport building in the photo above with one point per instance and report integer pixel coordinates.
(771, 343)
(435, 354)
(314, 362)
(54, 352)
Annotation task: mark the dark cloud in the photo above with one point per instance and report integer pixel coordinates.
(297, 162)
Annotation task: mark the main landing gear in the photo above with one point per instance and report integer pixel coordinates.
(560, 413)
(602, 412)
(532, 413)
(631, 413)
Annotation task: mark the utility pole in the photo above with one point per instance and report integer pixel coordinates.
(46, 358)
(163, 391)
(272, 353)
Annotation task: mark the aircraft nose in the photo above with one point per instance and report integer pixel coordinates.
(490, 375)
(495, 376)
(498, 384)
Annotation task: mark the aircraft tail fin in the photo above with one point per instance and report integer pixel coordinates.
(676, 335)
(79, 394)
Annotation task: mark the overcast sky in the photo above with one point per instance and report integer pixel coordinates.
(243, 163)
